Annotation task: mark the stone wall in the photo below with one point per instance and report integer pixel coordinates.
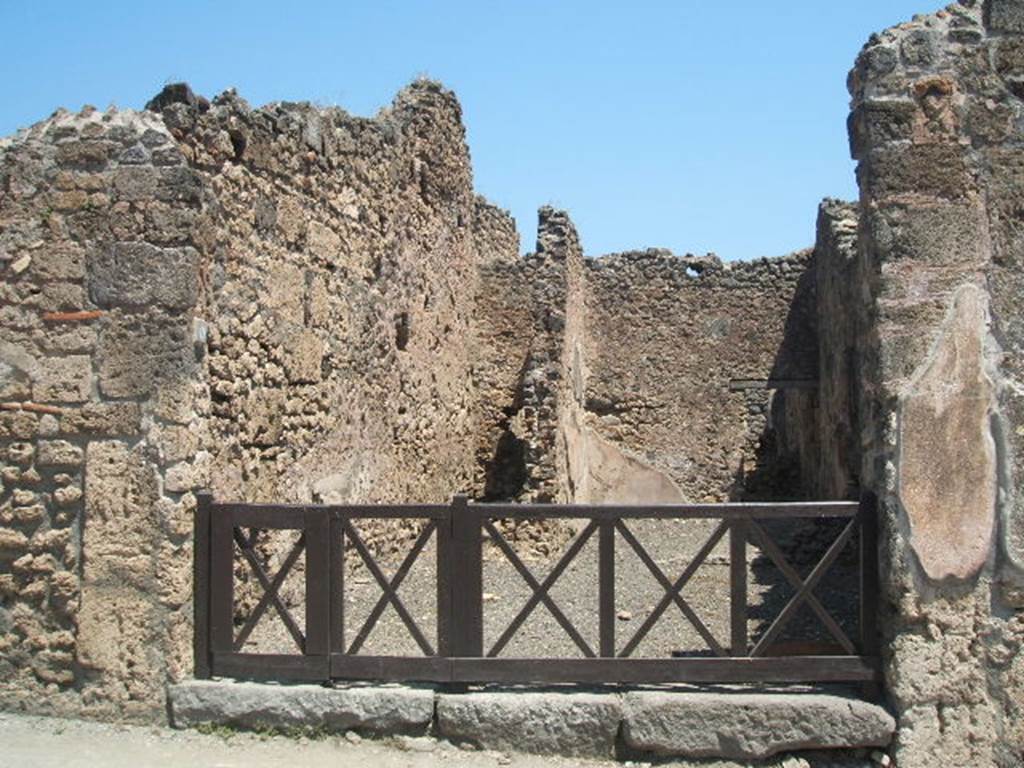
(274, 303)
(936, 130)
(835, 474)
(666, 338)
(98, 388)
(341, 286)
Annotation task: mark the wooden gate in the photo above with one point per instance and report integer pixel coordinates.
(457, 654)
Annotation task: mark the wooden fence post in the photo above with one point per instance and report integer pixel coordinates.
(606, 587)
(317, 532)
(201, 586)
(222, 582)
(738, 586)
(466, 624)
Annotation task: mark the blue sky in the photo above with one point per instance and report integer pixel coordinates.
(688, 124)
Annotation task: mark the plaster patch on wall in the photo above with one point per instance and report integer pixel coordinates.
(947, 470)
(603, 473)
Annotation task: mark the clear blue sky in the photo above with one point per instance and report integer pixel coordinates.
(689, 124)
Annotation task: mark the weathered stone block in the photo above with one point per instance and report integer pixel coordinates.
(58, 453)
(880, 121)
(135, 183)
(323, 242)
(1005, 15)
(138, 353)
(119, 638)
(12, 543)
(379, 709)
(304, 353)
(64, 261)
(122, 524)
(750, 726)
(139, 275)
(555, 723)
(102, 419)
(931, 234)
(935, 170)
(63, 380)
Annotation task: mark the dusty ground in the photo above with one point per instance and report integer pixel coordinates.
(45, 742)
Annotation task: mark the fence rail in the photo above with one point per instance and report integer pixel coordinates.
(457, 654)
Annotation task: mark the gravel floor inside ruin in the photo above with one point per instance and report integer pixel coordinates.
(672, 545)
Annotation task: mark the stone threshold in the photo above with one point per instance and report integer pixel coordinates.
(656, 722)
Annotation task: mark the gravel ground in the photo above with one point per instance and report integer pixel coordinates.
(671, 543)
(45, 742)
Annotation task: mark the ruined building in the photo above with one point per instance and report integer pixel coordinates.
(290, 303)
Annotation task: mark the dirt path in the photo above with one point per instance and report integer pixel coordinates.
(43, 742)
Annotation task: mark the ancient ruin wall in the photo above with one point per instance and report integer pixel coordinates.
(341, 289)
(834, 473)
(936, 128)
(666, 337)
(275, 303)
(100, 387)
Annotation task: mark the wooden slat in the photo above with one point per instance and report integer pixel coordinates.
(677, 670)
(390, 668)
(445, 570)
(336, 588)
(222, 581)
(201, 586)
(606, 588)
(669, 511)
(391, 592)
(382, 582)
(267, 666)
(467, 584)
(271, 588)
(738, 587)
(291, 515)
(672, 591)
(264, 517)
(318, 582)
(540, 592)
(771, 549)
(671, 594)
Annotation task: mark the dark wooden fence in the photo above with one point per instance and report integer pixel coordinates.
(457, 654)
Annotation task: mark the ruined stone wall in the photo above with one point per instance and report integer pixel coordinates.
(665, 338)
(936, 128)
(274, 303)
(341, 288)
(835, 471)
(98, 386)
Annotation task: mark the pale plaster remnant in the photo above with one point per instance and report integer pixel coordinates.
(944, 424)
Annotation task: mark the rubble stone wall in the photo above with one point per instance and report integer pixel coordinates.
(666, 337)
(341, 292)
(936, 128)
(100, 386)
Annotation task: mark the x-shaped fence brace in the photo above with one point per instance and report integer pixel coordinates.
(540, 590)
(672, 590)
(390, 588)
(270, 588)
(804, 589)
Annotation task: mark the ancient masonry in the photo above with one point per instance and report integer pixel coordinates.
(294, 304)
